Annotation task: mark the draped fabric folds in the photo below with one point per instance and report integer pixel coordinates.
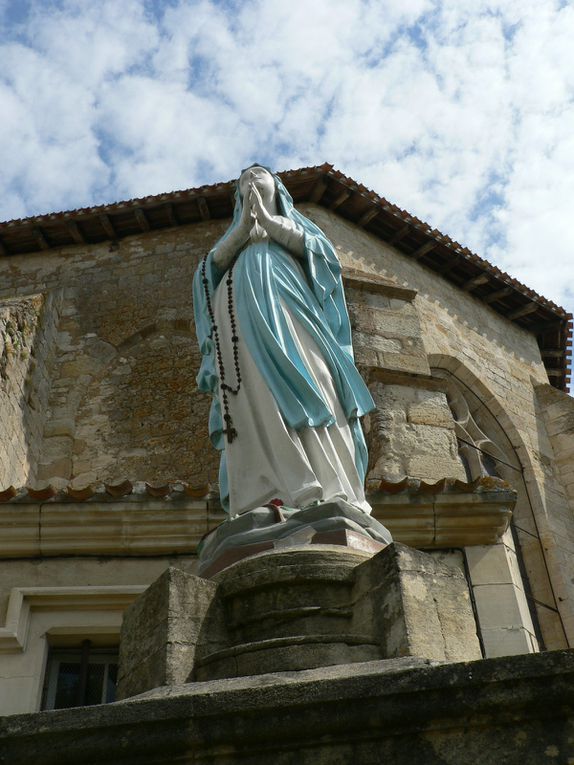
(273, 293)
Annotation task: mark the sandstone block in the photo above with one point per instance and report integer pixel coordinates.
(419, 606)
(508, 641)
(162, 629)
(493, 564)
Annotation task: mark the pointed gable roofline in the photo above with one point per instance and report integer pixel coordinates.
(329, 188)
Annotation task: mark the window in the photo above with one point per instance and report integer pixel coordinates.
(77, 677)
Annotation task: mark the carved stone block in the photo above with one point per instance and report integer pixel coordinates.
(296, 609)
(162, 630)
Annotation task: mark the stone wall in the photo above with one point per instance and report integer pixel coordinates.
(515, 710)
(499, 362)
(486, 449)
(411, 432)
(556, 412)
(26, 337)
(17, 325)
(452, 322)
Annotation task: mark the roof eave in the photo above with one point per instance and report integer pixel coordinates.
(329, 188)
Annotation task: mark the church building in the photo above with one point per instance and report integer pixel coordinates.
(454, 643)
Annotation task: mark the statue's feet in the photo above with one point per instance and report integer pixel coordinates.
(274, 526)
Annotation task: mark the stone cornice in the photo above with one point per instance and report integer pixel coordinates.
(445, 514)
(366, 282)
(132, 526)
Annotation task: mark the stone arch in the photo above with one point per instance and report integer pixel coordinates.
(134, 411)
(497, 436)
(483, 445)
(489, 401)
(141, 417)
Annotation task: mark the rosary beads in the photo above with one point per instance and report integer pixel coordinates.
(229, 430)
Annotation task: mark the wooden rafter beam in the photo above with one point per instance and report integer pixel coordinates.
(338, 201)
(108, 226)
(551, 372)
(75, 232)
(203, 208)
(552, 353)
(368, 216)
(142, 220)
(41, 239)
(476, 281)
(543, 328)
(449, 265)
(498, 295)
(423, 249)
(171, 216)
(318, 190)
(400, 234)
(524, 310)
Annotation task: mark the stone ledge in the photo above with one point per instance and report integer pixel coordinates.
(401, 377)
(445, 514)
(438, 523)
(363, 281)
(518, 710)
(124, 527)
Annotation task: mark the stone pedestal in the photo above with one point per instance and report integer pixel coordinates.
(289, 611)
(299, 609)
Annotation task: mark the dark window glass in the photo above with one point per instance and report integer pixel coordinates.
(94, 684)
(67, 682)
(80, 677)
(112, 683)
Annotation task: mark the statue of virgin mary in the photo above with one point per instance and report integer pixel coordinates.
(275, 338)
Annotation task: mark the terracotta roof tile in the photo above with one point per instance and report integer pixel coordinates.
(174, 490)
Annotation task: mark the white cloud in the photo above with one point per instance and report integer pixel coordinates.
(460, 111)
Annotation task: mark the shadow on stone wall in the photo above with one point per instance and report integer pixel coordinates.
(27, 339)
(142, 416)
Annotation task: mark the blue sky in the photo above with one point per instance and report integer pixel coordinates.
(461, 112)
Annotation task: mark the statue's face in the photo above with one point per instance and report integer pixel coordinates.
(261, 179)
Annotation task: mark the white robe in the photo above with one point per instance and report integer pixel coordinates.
(268, 460)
